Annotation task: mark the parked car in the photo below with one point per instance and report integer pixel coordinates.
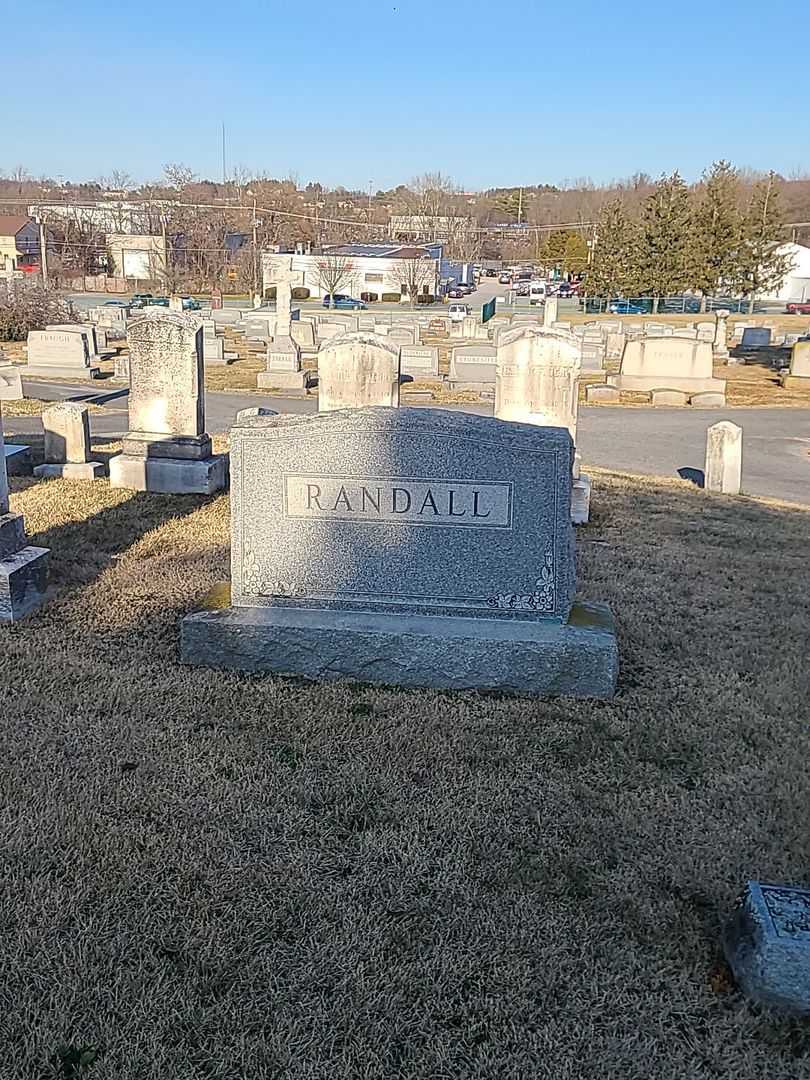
(455, 292)
(629, 307)
(565, 289)
(505, 279)
(798, 307)
(115, 303)
(140, 299)
(458, 311)
(340, 300)
(522, 288)
(156, 301)
(490, 273)
(190, 304)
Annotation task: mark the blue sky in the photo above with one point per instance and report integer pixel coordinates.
(489, 93)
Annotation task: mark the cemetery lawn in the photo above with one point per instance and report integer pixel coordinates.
(226, 876)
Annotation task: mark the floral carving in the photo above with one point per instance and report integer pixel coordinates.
(540, 599)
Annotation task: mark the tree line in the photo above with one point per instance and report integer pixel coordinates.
(715, 241)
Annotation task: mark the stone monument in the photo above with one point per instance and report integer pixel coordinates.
(798, 377)
(166, 448)
(67, 443)
(59, 354)
(283, 368)
(537, 382)
(550, 310)
(767, 946)
(23, 568)
(721, 336)
(414, 547)
(723, 472)
(356, 370)
(668, 363)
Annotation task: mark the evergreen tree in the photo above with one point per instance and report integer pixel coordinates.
(761, 266)
(575, 256)
(665, 229)
(614, 267)
(552, 252)
(716, 231)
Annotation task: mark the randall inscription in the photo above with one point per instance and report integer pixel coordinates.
(403, 501)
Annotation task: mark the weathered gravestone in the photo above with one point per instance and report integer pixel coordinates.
(283, 370)
(23, 568)
(798, 377)
(67, 443)
(166, 448)
(472, 367)
(415, 547)
(767, 946)
(537, 382)
(756, 337)
(723, 471)
(420, 361)
(720, 339)
(550, 309)
(11, 388)
(667, 363)
(59, 353)
(356, 370)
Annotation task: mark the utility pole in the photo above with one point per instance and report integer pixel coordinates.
(224, 175)
(256, 260)
(520, 206)
(369, 200)
(43, 253)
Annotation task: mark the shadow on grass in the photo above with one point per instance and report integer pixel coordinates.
(82, 549)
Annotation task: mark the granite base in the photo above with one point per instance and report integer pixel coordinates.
(59, 371)
(170, 476)
(23, 580)
(576, 659)
(18, 459)
(84, 470)
(293, 383)
(795, 382)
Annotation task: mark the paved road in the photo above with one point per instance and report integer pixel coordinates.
(654, 442)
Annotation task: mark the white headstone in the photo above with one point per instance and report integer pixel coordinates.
(355, 370)
(537, 377)
(724, 458)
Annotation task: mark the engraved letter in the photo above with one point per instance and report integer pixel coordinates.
(367, 495)
(429, 500)
(395, 509)
(475, 506)
(313, 488)
(342, 498)
(452, 511)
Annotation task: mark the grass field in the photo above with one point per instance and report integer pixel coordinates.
(209, 875)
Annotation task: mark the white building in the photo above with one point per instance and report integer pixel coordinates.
(796, 285)
(362, 269)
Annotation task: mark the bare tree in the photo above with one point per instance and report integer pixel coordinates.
(117, 180)
(416, 271)
(332, 271)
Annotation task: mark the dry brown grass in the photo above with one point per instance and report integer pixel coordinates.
(225, 876)
(34, 407)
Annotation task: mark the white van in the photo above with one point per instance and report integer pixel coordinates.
(537, 292)
(457, 312)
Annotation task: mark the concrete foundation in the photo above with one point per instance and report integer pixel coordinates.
(84, 470)
(23, 580)
(578, 658)
(172, 476)
(54, 371)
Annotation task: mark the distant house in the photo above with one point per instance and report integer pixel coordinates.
(796, 284)
(19, 242)
(369, 270)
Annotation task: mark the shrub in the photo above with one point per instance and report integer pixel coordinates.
(425, 298)
(28, 305)
(300, 293)
(391, 297)
(369, 297)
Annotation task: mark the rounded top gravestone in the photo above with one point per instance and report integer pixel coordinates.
(356, 370)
